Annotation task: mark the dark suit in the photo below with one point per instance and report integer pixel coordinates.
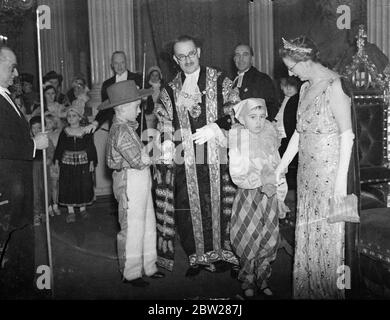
(290, 123)
(108, 114)
(255, 84)
(16, 217)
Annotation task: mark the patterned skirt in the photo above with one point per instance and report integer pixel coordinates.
(254, 235)
(76, 187)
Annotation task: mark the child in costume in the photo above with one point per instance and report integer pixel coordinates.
(136, 241)
(76, 158)
(258, 203)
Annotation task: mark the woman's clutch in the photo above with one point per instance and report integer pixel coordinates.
(344, 211)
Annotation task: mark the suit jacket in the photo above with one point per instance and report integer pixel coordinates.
(290, 123)
(16, 155)
(255, 84)
(290, 116)
(108, 114)
(15, 139)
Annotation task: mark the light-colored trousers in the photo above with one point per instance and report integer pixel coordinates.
(136, 242)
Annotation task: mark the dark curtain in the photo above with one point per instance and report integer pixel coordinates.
(318, 20)
(218, 24)
(21, 30)
(78, 38)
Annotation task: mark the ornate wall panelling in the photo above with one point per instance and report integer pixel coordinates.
(372, 100)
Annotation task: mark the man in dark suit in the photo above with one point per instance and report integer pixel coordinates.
(250, 82)
(121, 73)
(17, 149)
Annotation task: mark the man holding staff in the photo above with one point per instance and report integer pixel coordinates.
(17, 150)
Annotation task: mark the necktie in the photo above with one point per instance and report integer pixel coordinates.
(238, 79)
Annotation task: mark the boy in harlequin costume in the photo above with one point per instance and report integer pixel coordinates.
(259, 201)
(136, 241)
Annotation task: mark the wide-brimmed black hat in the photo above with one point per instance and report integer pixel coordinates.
(123, 92)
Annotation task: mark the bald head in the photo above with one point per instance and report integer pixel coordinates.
(5, 52)
(118, 62)
(8, 69)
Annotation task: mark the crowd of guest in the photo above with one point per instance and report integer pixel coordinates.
(226, 214)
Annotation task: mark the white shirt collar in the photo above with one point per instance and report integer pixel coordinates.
(4, 90)
(190, 84)
(242, 72)
(121, 77)
(193, 76)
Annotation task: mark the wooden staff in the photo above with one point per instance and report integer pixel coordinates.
(44, 158)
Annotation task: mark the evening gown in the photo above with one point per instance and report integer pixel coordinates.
(319, 248)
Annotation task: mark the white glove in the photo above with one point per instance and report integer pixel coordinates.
(288, 156)
(167, 151)
(346, 143)
(206, 133)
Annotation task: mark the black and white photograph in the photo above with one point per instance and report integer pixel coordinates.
(194, 155)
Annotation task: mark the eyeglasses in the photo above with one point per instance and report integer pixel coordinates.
(291, 68)
(191, 54)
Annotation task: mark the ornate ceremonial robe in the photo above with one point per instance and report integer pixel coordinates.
(194, 193)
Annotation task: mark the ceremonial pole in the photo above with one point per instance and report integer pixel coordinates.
(143, 87)
(44, 157)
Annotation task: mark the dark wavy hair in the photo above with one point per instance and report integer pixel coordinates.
(302, 42)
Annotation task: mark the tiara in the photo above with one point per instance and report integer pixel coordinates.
(290, 46)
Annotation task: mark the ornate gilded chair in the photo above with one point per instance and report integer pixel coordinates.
(371, 91)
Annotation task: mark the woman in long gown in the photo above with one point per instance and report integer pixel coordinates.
(324, 139)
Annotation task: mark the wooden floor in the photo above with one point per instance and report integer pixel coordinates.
(85, 265)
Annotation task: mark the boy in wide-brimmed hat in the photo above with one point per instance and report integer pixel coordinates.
(131, 185)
